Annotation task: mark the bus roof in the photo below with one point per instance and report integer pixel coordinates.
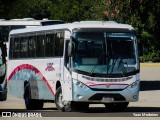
(71, 26)
(27, 22)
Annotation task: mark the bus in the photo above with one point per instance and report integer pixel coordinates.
(5, 27)
(3, 76)
(74, 65)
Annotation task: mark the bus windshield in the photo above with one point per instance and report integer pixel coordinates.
(105, 53)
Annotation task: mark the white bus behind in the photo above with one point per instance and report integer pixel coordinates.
(5, 27)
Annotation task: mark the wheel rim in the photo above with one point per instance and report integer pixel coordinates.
(60, 103)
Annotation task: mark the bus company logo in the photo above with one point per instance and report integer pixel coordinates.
(107, 85)
(50, 67)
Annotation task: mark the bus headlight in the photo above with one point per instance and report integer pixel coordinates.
(81, 85)
(133, 85)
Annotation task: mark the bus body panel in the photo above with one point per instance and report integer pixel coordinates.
(41, 75)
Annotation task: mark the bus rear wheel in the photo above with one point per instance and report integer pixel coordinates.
(116, 106)
(29, 103)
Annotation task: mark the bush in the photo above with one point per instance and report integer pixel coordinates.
(151, 57)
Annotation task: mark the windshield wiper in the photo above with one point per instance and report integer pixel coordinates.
(93, 69)
(122, 66)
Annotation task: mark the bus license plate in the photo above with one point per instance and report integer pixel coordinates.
(108, 99)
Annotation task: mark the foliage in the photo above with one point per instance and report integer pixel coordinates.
(151, 57)
(75, 10)
(143, 15)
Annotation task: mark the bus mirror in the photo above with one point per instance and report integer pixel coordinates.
(71, 48)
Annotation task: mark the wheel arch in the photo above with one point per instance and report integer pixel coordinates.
(58, 84)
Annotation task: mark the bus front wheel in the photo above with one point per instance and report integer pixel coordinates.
(59, 103)
(71, 106)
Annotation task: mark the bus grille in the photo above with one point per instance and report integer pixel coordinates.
(107, 79)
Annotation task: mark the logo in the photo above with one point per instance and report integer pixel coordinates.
(50, 67)
(6, 114)
(107, 85)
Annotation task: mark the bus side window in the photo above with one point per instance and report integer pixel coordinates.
(59, 39)
(5, 31)
(11, 48)
(23, 47)
(16, 48)
(32, 46)
(40, 45)
(50, 45)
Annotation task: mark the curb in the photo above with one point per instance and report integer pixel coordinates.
(150, 64)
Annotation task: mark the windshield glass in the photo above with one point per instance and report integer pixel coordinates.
(105, 53)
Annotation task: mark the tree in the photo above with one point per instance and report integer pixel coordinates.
(37, 9)
(76, 10)
(5, 8)
(144, 17)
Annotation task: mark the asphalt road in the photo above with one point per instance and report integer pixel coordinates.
(149, 102)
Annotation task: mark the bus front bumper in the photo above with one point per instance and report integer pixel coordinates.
(82, 93)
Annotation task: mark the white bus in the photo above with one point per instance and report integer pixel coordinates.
(5, 27)
(74, 65)
(3, 76)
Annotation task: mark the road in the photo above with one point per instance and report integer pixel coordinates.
(149, 101)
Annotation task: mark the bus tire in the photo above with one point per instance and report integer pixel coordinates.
(72, 106)
(58, 101)
(29, 103)
(116, 106)
(3, 96)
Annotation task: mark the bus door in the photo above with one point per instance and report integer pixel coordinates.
(67, 87)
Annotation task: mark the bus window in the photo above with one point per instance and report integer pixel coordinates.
(50, 45)
(40, 46)
(45, 23)
(16, 48)
(59, 40)
(32, 46)
(5, 31)
(23, 47)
